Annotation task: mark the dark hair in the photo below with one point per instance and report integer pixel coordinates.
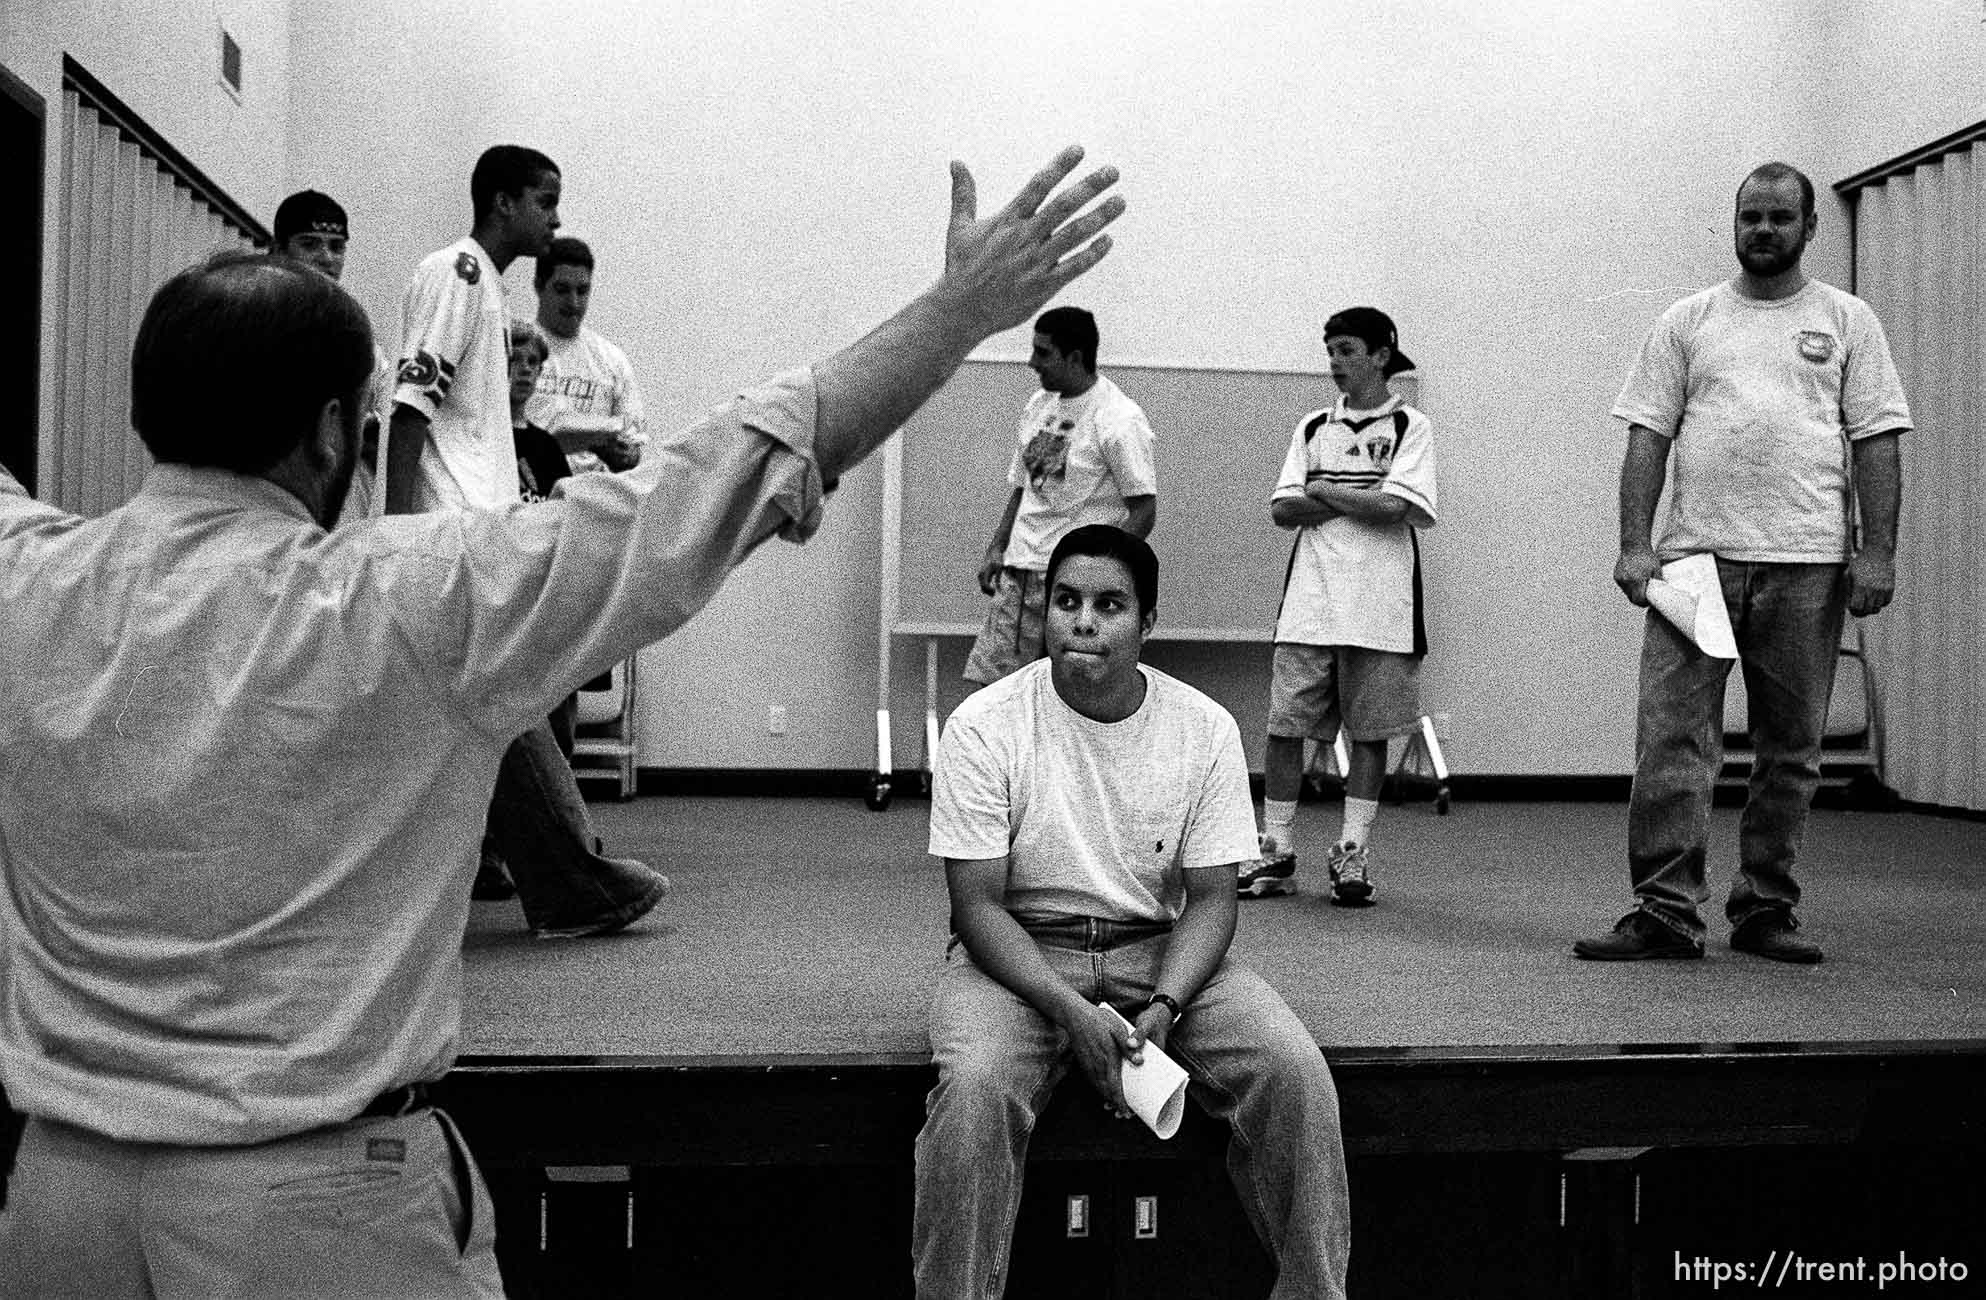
(564, 251)
(1109, 542)
(505, 169)
(1779, 171)
(236, 357)
(307, 211)
(1070, 329)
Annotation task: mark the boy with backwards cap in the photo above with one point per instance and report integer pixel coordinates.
(1358, 480)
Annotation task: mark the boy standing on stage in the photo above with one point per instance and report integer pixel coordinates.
(1084, 457)
(1358, 480)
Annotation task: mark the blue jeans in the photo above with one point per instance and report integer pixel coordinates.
(538, 824)
(1250, 1062)
(1787, 621)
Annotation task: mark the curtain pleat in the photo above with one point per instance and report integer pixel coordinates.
(128, 225)
(1919, 246)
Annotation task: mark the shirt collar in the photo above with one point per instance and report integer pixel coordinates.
(223, 487)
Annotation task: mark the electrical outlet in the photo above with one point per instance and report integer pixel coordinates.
(775, 719)
(1144, 1220)
(1079, 1216)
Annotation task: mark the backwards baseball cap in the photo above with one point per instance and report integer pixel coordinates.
(309, 212)
(1374, 328)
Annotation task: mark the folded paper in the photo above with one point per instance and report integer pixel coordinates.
(1156, 1089)
(1689, 595)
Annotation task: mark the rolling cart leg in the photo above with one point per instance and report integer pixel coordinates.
(1432, 744)
(878, 797)
(930, 711)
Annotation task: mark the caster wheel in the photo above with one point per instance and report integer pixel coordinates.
(878, 797)
(1441, 802)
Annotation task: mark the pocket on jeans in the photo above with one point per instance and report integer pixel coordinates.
(343, 1197)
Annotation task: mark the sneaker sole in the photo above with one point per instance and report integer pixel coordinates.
(1813, 958)
(1583, 951)
(1353, 894)
(1269, 888)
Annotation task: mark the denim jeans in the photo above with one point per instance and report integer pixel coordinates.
(538, 824)
(1250, 1062)
(1787, 620)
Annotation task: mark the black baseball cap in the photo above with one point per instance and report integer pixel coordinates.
(1374, 328)
(309, 212)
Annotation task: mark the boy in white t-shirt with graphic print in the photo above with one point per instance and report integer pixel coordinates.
(1358, 480)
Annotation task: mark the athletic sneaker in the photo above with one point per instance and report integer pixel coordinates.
(1273, 873)
(1351, 886)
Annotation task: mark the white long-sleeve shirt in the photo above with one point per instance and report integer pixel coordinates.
(244, 762)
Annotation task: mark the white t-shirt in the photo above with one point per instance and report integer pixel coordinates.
(1352, 581)
(588, 377)
(1077, 459)
(1096, 818)
(1762, 400)
(455, 369)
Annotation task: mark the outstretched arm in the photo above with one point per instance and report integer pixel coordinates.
(999, 271)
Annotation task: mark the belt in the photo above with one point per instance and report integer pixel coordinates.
(395, 1102)
(1089, 933)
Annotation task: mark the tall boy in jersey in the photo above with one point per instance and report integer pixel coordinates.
(451, 448)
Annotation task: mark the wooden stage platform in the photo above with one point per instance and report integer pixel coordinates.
(723, 1100)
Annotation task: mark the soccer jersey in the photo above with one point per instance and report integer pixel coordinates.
(1077, 460)
(1762, 399)
(1096, 818)
(1356, 582)
(455, 370)
(586, 378)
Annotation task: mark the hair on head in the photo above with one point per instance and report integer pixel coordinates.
(564, 251)
(1779, 171)
(1106, 541)
(525, 336)
(236, 357)
(1070, 329)
(505, 169)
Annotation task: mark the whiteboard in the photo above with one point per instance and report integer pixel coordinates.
(1220, 439)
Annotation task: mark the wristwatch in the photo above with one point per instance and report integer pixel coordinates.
(1164, 1000)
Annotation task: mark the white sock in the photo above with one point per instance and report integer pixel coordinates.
(1359, 816)
(1279, 823)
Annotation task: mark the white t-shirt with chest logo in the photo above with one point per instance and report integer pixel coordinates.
(1077, 460)
(1762, 399)
(1096, 818)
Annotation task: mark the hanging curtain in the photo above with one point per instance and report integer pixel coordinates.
(1920, 261)
(131, 218)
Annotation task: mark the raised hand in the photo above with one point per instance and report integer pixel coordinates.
(1006, 267)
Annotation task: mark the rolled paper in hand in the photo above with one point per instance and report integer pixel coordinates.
(1155, 1090)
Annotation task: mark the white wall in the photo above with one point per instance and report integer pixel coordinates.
(1524, 185)
(163, 60)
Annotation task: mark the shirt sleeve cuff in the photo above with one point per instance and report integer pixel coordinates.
(416, 399)
(784, 409)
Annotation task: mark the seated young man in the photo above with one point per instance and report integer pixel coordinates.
(1092, 814)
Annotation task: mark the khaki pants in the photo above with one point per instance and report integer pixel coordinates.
(377, 1207)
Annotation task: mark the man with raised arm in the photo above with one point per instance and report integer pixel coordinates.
(244, 763)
